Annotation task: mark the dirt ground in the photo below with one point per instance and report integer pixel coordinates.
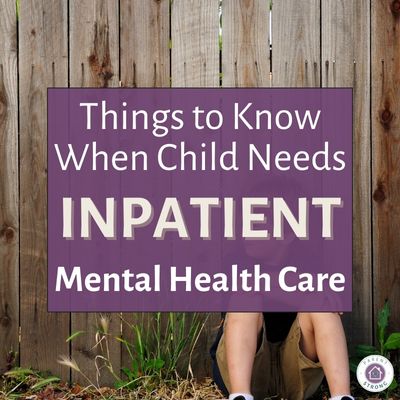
(33, 387)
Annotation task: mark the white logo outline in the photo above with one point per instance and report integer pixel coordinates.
(379, 377)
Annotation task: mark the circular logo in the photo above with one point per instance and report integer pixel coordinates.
(375, 373)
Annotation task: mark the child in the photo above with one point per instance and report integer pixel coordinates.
(258, 355)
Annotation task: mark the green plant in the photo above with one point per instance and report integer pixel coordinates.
(18, 378)
(387, 344)
(157, 344)
(160, 343)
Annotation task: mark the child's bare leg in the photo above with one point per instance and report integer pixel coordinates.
(241, 332)
(323, 338)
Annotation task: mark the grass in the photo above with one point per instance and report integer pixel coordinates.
(161, 341)
(26, 384)
(31, 387)
(159, 346)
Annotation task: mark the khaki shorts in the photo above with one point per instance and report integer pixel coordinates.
(279, 369)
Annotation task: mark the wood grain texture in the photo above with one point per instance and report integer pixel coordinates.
(194, 36)
(345, 63)
(296, 43)
(94, 62)
(145, 62)
(385, 113)
(43, 62)
(94, 59)
(195, 63)
(144, 44)
(9, 211)
(245, 45)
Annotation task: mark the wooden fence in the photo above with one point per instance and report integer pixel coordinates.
(140, 43)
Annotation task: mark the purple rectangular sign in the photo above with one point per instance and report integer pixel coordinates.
(199, 199)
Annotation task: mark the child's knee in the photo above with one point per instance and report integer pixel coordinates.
(244, 319)
(306, 322)
(310, 321)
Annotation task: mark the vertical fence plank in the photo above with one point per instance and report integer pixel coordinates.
(345, 62)
(9, 246)
(145, 62)
(94, 44)
(94, 62)
(385, 115)
(245, 45)
(43, 63)
(195, 63)
(296, 43)
(194, 36)
(144, 44)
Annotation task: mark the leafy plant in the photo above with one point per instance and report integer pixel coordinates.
(387, 344)
(158, 345)
(160, 340)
